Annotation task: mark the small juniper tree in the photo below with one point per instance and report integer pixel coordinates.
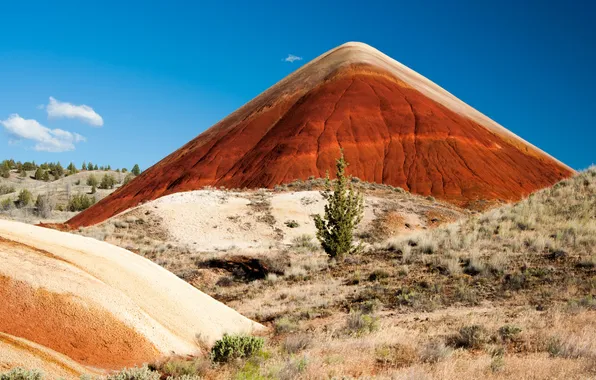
(25, 197)
(343, 212)
(92, 181)
(72, 169)
(39, 174)
(136, 170)
(107, 182)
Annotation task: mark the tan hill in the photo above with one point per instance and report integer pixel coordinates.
(58, 193)
(395, 126)
(99, 305)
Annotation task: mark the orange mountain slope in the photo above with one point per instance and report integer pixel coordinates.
(395, 127)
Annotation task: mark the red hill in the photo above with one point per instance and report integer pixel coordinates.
(395, 126)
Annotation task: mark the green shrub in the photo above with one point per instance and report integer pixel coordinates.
(360, 323)
(5, 169)
(185, 369)
(5, 189)
(25, 198)
(136, 170)
(6, 204)
(470, 337)
(509, 332)
(296, 342)
(343, 212)
(304, 242)
(29, 166)
(92, 181)
(129, 177)
(235, 346)
(107, 182)
(39, 174)
(292, 224)
(284, 325)
(80, 202)
(72, 169)
(43, 206)
(57, 170)
(21, 374)
(143, 373)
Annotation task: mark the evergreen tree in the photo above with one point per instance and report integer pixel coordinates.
(84, 166)
(95, 167)
(58, 170)
(90, 166)
(5, 169)
(128, 178)
(39, 174)
(72, 169)
(343, 212)
(25, 197)
(136, 170)
(107, 182)
(91, 181)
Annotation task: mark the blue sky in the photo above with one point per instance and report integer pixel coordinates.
(160, 73)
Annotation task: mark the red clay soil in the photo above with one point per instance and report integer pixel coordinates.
(390, 133)
(87, 335)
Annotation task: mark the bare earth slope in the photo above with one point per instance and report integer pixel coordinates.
(395, 126)
(100, 305)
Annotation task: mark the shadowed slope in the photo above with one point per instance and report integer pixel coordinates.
(395, 127)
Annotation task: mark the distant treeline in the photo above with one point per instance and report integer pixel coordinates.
(49, 170)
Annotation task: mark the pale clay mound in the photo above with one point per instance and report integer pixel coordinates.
(216, 220)
(106, 307)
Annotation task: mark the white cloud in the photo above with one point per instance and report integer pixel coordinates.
(291, 58)
(57, 109)
(47, 140)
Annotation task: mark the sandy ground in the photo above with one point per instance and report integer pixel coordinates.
(217, 220)
(98, 297)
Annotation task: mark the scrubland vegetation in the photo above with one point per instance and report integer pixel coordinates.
(507, 293)
(48, 191)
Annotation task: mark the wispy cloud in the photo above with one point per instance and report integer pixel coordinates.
(291, 58)
(46, 139)
(58, 109)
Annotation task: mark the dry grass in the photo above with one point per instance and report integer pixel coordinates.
(509, 293)
(504, 294)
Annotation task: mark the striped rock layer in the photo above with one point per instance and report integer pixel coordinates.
(394, 126)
